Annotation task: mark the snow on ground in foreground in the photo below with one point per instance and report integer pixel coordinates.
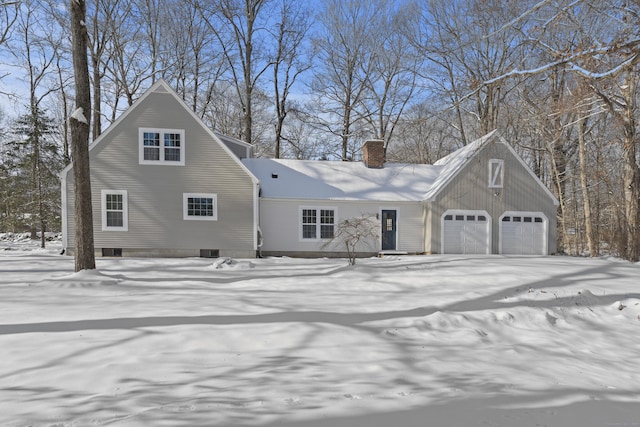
(399, 341)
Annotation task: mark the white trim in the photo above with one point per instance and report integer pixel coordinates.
(496, 173)
(161, 148)
(125, 210)
(317, 208)
(467, 212)
(185, 206)
(545, 220)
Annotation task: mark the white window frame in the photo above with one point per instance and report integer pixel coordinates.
(318, 224)
(185, 206)
(125, 210)
(161, 161)
(496, 173)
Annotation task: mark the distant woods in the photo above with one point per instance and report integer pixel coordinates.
(558, 78)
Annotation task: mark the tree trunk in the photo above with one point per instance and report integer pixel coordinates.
(631, 180)
(248, 76)
(586, 200)
(97, 99)
(84, 250)
(559, 162)
(558, 168)
(631, 174)
(41, 212)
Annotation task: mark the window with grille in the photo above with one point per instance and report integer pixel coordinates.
(151, 143)
(172, 147)
(114, 210)
(200, 206)
(161, 146)
(317, 223)
(326, 223)
(309, 223)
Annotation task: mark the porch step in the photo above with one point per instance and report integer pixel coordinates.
(383, 253)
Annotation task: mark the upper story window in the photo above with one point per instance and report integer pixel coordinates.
(496, 173)
(161, 146)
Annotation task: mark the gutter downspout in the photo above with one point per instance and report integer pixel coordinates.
(424, 227)
(258, 237)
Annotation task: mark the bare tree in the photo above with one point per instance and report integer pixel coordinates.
(237, 24)
(191, 59)
(465, 53)
(129, 62)
(344, 62)
(223, 112)
(356, 235)
(8, 16)
(289, 61)
(84, 248)
(623, 105)
(100, 37)
(391, 86)
(605, 54)
(423, 135)
(584, 186)
(149, 19)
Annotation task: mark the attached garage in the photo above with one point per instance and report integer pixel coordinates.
(523, 233)
(466, 232)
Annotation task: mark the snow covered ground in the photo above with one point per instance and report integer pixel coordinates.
(398, 341)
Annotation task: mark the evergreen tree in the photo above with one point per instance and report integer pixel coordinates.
(33, 160)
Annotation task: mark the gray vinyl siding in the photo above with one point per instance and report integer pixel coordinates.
(280, 224)
(68, 223)
(469, 190)
(155, 192)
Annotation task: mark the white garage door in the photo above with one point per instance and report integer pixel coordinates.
(466, 232)
(523, 233)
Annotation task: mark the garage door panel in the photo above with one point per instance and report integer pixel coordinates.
(523, 233)
(466, 232)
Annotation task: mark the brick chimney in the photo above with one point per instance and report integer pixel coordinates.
(373, 153)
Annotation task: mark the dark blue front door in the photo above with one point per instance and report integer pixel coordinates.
(389, 230)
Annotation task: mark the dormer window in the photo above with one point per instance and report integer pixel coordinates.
(496, 173)
(161, 146)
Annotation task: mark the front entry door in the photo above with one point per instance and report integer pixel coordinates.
(389, 228)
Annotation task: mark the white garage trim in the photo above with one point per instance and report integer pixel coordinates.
(473, 228)
(528, 234)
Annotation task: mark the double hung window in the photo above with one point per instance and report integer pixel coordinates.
(161, 146)
(317, 223)
(114, 210)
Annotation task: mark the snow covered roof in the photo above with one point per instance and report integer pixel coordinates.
(334, 180)
(454, 162)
